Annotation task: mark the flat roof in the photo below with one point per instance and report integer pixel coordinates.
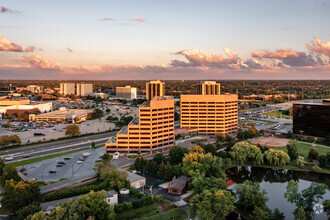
(68, 113)
(312, 103)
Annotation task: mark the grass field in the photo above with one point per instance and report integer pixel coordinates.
(151, 213)
(277, 114)
(198, 141)
(304, 149)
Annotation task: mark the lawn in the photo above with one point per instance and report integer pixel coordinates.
(198, 141)
(177, 214)
(304, 148)
(277, 114)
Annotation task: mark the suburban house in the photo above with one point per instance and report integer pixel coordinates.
(47, 207)
(177, 185)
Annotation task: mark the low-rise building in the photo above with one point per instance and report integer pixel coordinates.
(177, 185)
(64, 115)
(126, 92)
(34, 88)
(136, 181)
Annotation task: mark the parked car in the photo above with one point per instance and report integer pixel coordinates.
(61, 162)
(38, 134)
(26, 156)
(116, 155)
(52, 171)
(67, 158)
(79, 162)
(9, 158)
(86, 154)
(59, 165)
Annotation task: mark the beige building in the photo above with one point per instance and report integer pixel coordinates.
(63, 115)
(16, 102)
(155, 88)
(34, 88)
(84, 89)
(151, 132)
(126, 92)
(210, 114)
(67, 89)
(208, 88)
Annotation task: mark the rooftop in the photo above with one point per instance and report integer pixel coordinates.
(178, 183)
(68, 113)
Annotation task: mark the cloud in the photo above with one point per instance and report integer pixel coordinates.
(30, 49)
(319, 47)
(204, 58)
(40, 62)
(279, 54)
(69, 50)
(7, 45)
(7, 10)
(107, 19)
(137, 19)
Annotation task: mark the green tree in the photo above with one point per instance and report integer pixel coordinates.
(292, 148)
(28, 210)
(106, 157)
(260, 214)
(9, 173)
(277, 215)
(210, 148)
(290, 134)
(307, 197)
(313, 154)
(250, 195)
(300, 162)
(215, 204)
(17, 195)
(168, 171)
(72, 130)
(221, 137)
(2, 165)
(159, 158)
(244, 152)
(277, 157)
(177, 153)
(323, 162)
(200, 183)
(326, 206)
(300, 214)
(93, 144)
(97, 113)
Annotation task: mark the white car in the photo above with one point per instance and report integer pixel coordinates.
(9, 158)
(86, 154)
(79, 162)
(115, 155)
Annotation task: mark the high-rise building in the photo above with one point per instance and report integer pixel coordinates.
(151, 132)
(208, 88)
(84, 89)
(67, 89)
(155, 88)
(126, 92)
(210, 114)
(34, 88)
(311, 118)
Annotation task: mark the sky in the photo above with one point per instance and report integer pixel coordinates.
(172, 39)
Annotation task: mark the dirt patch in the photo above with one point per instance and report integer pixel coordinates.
(270, 141)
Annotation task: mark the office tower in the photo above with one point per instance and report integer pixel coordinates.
(84, 89)
(67, 89)
(126, 92)
(208, 88)
(210, 114)
(311, 118)
(151, 132)
(155, 88)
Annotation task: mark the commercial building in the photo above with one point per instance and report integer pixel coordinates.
(210, 114)
(16, 102)
(67, 89)
(63, 115)
(126, 92)
(311, 118)
(34, 88)
(151, 132)
(208, 88)
(155, 88)
(24, 105)
(84, 89)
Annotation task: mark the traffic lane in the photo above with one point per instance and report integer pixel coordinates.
(56, 144)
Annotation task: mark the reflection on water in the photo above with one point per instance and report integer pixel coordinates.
(274, 181)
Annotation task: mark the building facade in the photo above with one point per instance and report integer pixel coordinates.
(210, 114)
(67, 89)
(208, 88)
(151, 132)
(126, 92)
(34, 88)
(155, 88)
(311, 119)
(84, 89)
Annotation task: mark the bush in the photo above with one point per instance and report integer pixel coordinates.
(144, 201)
(322, 161)
(28, 210)
(159, 198)
(135, 192)
(123, 207)
(227, 162)
(313, 154)
(222, 154)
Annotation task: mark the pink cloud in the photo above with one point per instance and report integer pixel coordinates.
(30, 49)
(69, 50)
(7, 10)
(279, 54)
(108, 19)
(319, 47)
(137, 19)
(7, 45)
(38, 61)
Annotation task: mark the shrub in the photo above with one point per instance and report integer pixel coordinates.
(135, 192)
(313, 154)
(322, 161)
(159, 198)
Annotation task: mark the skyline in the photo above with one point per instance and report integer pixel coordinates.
(119, 40)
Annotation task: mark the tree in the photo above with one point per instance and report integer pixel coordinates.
(292, 148)
(106, 157)
(290, 134)
(323, 162)
(300, 162)
(28, 210)
(244, 152)
(250, 195)
(277, 215)
(167, 174)
(93, 144)
(252, 132)
(200, 183)
(72, 130)
(313, 154)
(159, 158)
(260, 214)
(97, 113)
(2, 164)
(307, 197)
(9, 172)
(277, 157)
(326, 206)
(177, 153)
(221, 137)
(215, 204)
(300, 214)
(210, 148)
(17, 195)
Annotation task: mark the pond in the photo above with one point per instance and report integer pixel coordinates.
(274, 181)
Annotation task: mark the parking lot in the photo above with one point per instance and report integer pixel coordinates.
(71, 169)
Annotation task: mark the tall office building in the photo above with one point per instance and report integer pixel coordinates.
(155, 88)
(151, 132)
(84, 89)
(311, 118)
(67, 89)
(126, 92)
(210, 114)
(208, 88)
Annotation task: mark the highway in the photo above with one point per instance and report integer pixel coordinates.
(55, 147)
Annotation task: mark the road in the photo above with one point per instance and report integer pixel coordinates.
(56, 147)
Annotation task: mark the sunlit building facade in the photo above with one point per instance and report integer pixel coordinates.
(208, 88)
(155, 88)
(67, 89)
(126, 92)
(84, 89)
